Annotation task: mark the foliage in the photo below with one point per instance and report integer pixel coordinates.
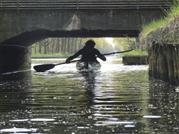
(171, 15)
(136, 52)
(125, 43)
(155, 24)
(62, 47)
(60, 55)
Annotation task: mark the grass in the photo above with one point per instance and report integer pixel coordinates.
(171, 15)
(136, 52)
(60, 55)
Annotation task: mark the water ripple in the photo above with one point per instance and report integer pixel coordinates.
(117, 99)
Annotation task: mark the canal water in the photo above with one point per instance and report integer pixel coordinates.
(117, 99)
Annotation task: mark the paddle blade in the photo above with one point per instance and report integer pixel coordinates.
(44, 67)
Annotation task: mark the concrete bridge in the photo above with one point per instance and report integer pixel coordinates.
(24, 22)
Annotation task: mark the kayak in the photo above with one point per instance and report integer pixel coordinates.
(88, 66)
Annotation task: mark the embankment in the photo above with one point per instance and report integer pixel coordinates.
(163, 51)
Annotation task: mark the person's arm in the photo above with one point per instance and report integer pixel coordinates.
(101, 56)
(73, 56)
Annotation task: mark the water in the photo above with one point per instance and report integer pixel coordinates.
(117, 99)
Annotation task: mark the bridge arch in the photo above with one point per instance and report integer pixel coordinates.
(17, 50)
(28, 38)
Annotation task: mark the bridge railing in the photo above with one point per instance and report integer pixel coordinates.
(84, 4)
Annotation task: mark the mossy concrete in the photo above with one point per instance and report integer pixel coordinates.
(163, 50)
(14, 58)
(135, 60)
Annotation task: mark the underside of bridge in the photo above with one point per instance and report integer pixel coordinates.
(27, 21)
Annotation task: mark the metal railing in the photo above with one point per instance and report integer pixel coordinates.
(84, 4)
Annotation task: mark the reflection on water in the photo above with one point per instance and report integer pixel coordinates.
(116, 99)
(164, 102)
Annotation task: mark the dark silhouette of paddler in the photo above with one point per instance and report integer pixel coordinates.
(88, 54)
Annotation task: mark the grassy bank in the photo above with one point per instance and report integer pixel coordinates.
(171, 15)
(59, 55)
(136, 52)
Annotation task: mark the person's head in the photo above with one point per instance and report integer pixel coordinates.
(90, 44)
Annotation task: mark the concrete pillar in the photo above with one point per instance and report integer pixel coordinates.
(14, 58)
(137, 43)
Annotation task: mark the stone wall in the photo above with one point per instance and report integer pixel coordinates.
(163, 50)
(14, 58)
(164, 62)
(135, 60)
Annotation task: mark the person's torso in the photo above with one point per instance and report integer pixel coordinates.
(89, 54)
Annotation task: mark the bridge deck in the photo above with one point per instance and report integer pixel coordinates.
(84, 4)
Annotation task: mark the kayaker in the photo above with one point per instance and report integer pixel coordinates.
(88, 53)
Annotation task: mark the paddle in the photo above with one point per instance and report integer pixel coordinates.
(118, 52)
(45, 67)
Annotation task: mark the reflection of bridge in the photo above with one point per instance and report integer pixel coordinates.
(24, 22)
